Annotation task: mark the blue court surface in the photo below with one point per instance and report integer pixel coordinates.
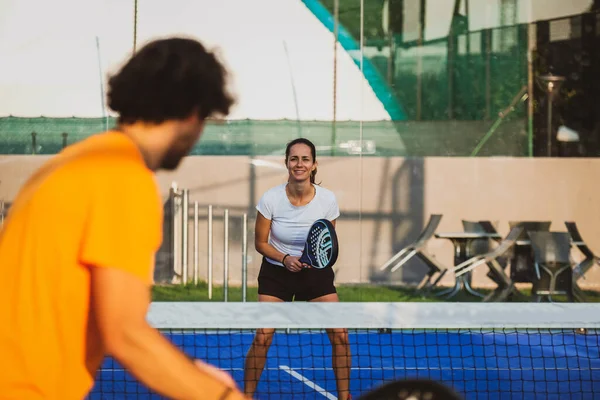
(479, 365)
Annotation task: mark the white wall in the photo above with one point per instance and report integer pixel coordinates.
(51, 64)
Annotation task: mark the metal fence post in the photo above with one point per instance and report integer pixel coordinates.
(175, 245)
(210, 251)
(244, 256)
(196, 244)
(226, 257)
(185, 215)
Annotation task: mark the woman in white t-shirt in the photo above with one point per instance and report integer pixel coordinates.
(285, 214)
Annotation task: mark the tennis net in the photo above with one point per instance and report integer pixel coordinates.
(483, 351)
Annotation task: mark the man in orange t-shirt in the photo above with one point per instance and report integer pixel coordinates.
(77, 249)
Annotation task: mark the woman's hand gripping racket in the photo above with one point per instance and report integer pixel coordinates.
(321, 245)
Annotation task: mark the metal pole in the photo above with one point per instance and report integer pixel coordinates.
(336, 22)
(551, 85)
(195, 243)
(244, 256)
(531, 48)
(184, 235)
(226, 257)
(33, 143)
(2, 213)
(420, 52)
(488, 73)
(549, 97)
(135, 18)
(101, 82)
(174, 194)
(298, 123)
(210, 249)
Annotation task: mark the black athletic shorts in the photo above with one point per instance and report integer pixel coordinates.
(305, 285)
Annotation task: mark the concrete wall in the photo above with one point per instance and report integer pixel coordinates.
(385, 203)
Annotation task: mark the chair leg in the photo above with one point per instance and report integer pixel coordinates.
(490, 297)
(577, 293)
(470, 267)
(424, 282)
(505, 292)
(505, 287)
(395, 257)
(451, 291)
(404, 260)
(434, 268)
(426, 285)
(439, 278)
(537, 298)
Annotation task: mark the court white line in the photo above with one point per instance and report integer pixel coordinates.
(307, 382)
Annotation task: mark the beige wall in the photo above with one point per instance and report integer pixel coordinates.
(384, 203)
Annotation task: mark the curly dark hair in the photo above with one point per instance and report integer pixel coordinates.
(168, 79)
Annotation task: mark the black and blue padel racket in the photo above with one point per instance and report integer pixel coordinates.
(411, 389)
(321, 245)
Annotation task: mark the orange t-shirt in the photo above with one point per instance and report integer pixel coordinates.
(96, 203)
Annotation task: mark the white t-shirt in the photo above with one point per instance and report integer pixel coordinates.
(290, 224)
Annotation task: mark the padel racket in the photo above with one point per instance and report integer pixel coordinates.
(321, 245)
(411, 389)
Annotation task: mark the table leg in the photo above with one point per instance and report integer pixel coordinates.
(469, 288)
(460, 250)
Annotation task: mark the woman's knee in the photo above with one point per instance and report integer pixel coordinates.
(264, 337)
(339, 337)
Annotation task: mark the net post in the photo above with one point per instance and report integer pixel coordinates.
(244, 256)
(210, 251)
(185, 235)
(196, 243)
(226, 257)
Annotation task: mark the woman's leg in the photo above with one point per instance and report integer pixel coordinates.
(340, 351)
(257, 354)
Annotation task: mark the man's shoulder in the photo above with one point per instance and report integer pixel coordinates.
(107, 154)
(102, 164)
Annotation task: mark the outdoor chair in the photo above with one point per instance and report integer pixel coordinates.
(417, 249)
(496, 270)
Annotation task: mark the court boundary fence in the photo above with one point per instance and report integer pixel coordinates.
(178, 220)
